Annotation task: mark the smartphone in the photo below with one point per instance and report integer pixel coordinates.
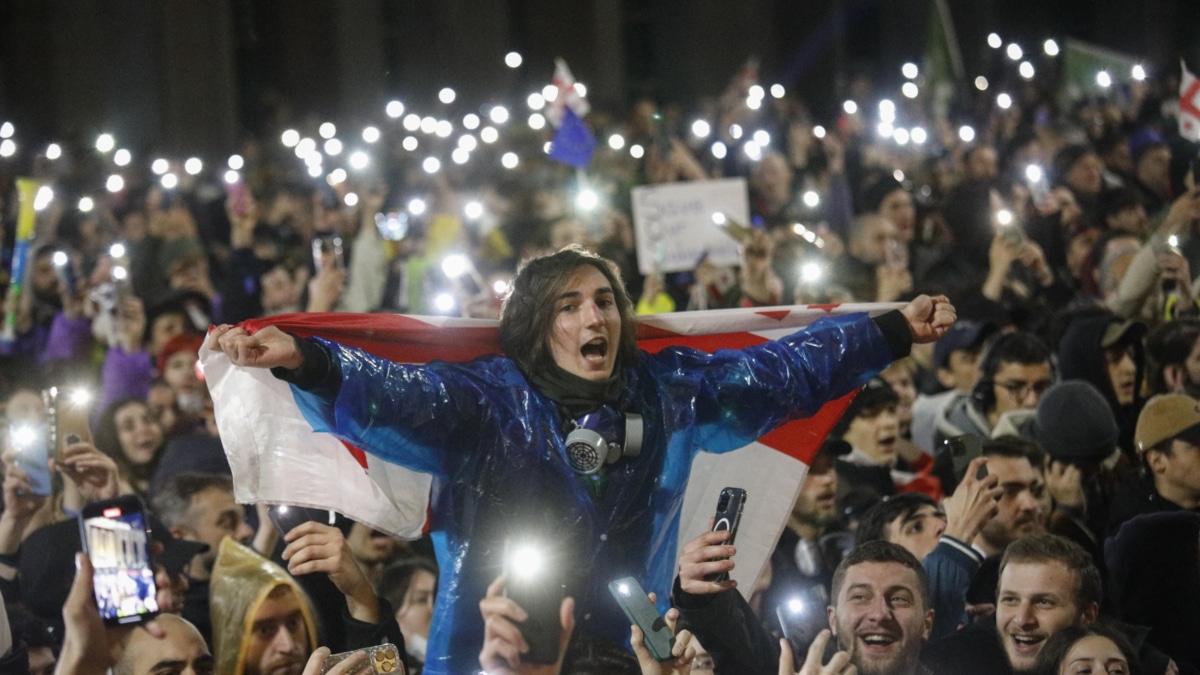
(287, 517)
(66, 272)
(30, 443)
(327, 250)
(530, 582)
(68, 409)
(963, 450)
(115, 538)
(742, 234)
(801, 618)
(641, 612)
(728, 517)
(382, 659)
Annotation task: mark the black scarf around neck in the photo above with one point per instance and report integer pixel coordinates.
(574, 394)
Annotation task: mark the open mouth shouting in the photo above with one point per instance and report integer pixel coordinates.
(1026, 645)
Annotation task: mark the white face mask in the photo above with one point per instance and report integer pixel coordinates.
(415, 646)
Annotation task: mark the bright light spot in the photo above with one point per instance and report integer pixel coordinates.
(305, 147)
(370, 134)
(489, 135)
(443, 302)
(193, 166)
(909, 90)
(61, 259)
(54, 151)
(236, 162)
(513, 60)
(587, 200)
(752, 150)
(455, 265)
(114, 183)
(966, 133)
(819, 131)
(290, 138)
(1173, 240)
(471, 121)
(810, 272)
(499, 114)
(160, 166)
(460, 156)
(473, 210)
(994, 41)
(7, 130)
(351, 199)
(735, 131)
(1004, 217)
(850, 107)
(416, 206)
(1014, 51)
(232, 176)
(412, 122)
(169, 181)
(315, 170)
(701, 129)
(312, 159)
(1138, 73)
(885, 129)
(812, 199)
(581, 89)
(500, 287)
(1004, 101)
(756, 91)
(467, 142)
(535, 101)
(444, 129)
(762, 138)
(120, 273)
(1026, 70)
(105, 142)
(327, 130)
(410, 143)
(754, 103)
(887, 111)
(509, 160)
(86, 204)
(117, 250)
(1033, 173)
(428, 124)
(981, 83)
(909, 70)
(537, 121)
(777, 91)
(431, 165)
(900, 135)
(447, 95)
(918, 135)
(525, 562)
(337, 176)
(394, 109)
(719, 150)
(121, 157)
(1104, 79)
(1050, 47)
(359, 160)
(898, 175)
(549, 92)
(795, 606)
(616, 141)
(719, 218)
(636, 151)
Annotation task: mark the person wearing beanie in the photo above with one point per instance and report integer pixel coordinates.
(1081, 170)
(1167, 439)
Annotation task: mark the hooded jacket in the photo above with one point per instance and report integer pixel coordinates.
(1081, 357)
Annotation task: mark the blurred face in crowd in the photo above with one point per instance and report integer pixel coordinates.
(1034, 601)
(773, 179)
(1018, 386)
(139, 433)
(163, 407)
(212, 515)
(1122, 372)
(416, 612)
(982, 164)
(962, 371)
(279, 291)
(279, 636)
(587, 326)
(1023, 504)
(180, 371)
(1153, 169)
(1086, 175)
(1130, 219)
(872, 240)
(1069, 212)
(181, 651)
(42, 277)
(880, 618)
(1177, 473)
(897, 207)
(919, 531)
(1094, 654)
(1079, 249)
(816, 504)
(370, 546)
(165, 327)
(901, 381)
(875, 433)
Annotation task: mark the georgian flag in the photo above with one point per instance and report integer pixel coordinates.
(568, 96)
(1189, 105)
(277, 458)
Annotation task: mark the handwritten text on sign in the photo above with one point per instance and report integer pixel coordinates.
(674, 223)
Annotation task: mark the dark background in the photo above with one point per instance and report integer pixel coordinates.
(200, 75)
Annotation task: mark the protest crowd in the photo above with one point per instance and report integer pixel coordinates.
(1020, 495)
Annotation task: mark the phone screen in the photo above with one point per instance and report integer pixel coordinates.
(30, 443)
(640, 611)
(115, 537)
(531, 582)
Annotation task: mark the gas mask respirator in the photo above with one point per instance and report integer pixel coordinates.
(602, 437)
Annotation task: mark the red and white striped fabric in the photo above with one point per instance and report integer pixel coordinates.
(1189, 105)
(568, 96)
(277, 458)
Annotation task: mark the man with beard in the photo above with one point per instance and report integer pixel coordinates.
(1024, 502)
(1173, 357)
(880, 615)
(1168, 444)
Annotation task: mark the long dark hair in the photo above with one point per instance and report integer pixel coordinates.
(1054, 652)
(527, 317)
(108, 441)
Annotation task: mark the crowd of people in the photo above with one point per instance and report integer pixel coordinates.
(1021, 494)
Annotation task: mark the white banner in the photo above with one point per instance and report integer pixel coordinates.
(674, 223)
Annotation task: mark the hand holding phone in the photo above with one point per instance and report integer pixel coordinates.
(728, 517)
(115, 538)
(287, 517)
(531, 582)
(656, 634)
(29, 443)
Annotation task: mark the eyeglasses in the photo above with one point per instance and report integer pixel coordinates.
(1020, 390)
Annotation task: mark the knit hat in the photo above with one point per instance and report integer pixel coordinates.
(875, 394)
(1166, 417)
(184, 342)
(1075, 424)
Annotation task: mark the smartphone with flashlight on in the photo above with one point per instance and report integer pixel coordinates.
(114, 536)
(736, 231)
(963, 450)
(68, 410)
(530, 581)
(287, 517)
(801, 618)
(30, 444)
(730, 504)
(326, 251)
(642, 613)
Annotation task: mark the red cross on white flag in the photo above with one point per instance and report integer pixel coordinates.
(568, 95)
(1189, 105)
